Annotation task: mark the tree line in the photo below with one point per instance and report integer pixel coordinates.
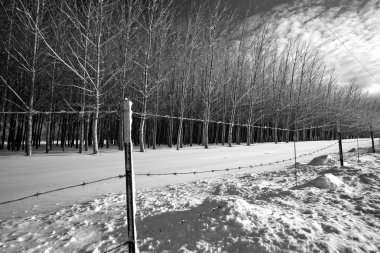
(202, 60)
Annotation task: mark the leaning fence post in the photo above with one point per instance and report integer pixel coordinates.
(373, 142)
(340, 145)
(295, 137)
(129, 177)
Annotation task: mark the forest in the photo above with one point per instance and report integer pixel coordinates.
(197, 72)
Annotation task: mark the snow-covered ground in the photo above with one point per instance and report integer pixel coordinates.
(235, 212)
(22, 176)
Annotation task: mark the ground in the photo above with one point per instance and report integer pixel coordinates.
(332, 209)
(22, 176)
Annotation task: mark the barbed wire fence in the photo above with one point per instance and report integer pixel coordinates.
(174, 173)
(139, 114)
(131, 238)
(240, 168)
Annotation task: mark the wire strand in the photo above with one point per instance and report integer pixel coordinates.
(80, 113)
(162, 174)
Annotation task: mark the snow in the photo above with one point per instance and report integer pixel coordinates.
(231, 212)
(22, 176)
(326, 181)
(320, 160)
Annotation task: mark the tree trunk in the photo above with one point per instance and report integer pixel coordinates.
(275, 132)
(170, 138)
(155, 122)
(231, 127)
(238, 135)
(191, 133)
(87, 135)
(217, 134)
(141, 132)
(223, 133)
(15, 133)
(179, 136)
(206, 134)
(33, 82)
(95, 124)
(120, 131)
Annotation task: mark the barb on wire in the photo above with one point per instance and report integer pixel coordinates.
(355, 141)
(161, 174)
(58, 112)
(139, 114)
(232, 169)
(149, 115)
(210, 121)
(61, 189)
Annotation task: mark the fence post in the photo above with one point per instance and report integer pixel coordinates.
(357, 143)
(295, 137)
(340, 145)
(129, 179)
(373, 142)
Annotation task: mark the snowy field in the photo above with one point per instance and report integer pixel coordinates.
(226, 212)
(22, 176)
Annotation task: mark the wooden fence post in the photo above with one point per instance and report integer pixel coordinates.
(340, 145)
(357, 143)
(129, 176)
(295, 138)
(373, 142)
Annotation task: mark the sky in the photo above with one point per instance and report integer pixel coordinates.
(327, 23)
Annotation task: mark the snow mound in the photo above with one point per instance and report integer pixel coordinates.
(232, 207)
(228, 189)
(320, 160)
(218, 220)
(369, 178)
(326, 181)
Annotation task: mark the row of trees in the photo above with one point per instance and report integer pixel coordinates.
(205, 61)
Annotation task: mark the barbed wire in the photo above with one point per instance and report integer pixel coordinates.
(360, 140)
(234, 168)
(81, 113)
(146, 115)
(62, 188)
(195, 217)
(83, 184)
(156, 174)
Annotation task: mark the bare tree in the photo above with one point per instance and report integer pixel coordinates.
(8, 44)
(189, 43)
(217, 23)
(93, 38)
(29, 55)
(155, 26)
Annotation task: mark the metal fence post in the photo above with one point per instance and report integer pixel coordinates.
(129, 176)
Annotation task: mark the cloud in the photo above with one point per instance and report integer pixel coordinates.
(356, 24)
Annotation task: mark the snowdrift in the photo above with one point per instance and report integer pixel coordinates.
(320, 160)
(336, 210)
(326, 181)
